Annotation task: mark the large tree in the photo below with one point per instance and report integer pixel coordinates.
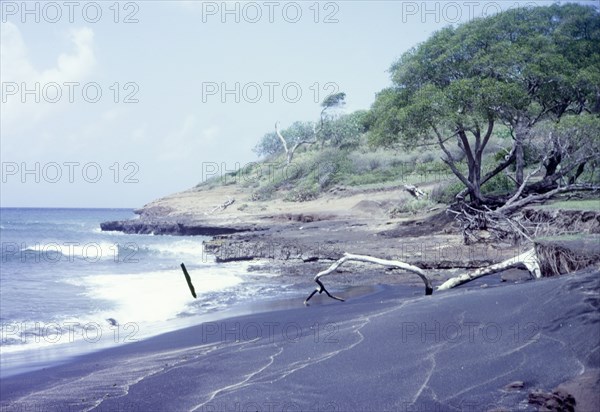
(517, 68)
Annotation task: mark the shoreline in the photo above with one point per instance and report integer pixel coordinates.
(28, 359)
(384, 349)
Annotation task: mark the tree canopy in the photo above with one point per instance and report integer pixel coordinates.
(516, 68)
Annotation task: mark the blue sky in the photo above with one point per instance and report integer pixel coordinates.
(182, 84)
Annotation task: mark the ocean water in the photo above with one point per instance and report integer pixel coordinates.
(68, 288)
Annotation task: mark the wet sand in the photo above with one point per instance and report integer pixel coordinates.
(389, 348)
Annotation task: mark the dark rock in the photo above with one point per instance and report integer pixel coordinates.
(143, 226)
(516, 385)
(424, 227)
(557, 401)
(515, 275)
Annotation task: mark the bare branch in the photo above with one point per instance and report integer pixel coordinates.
(361, 258)
(525, 181)
(509, 208)
(450, 160)
(508, 160)
(290, 153)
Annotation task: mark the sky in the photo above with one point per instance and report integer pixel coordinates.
(115, 104)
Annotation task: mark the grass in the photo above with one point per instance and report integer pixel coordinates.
(566, 237)
(589, 204)
(314, 171)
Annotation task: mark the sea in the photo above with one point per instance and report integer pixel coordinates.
(67, 287)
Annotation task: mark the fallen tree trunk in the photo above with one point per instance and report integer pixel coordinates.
(528, 259)
(221, 207)
(361, 258)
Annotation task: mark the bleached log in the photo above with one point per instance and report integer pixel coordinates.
(361, 258)
(528, 259)
(221, 207)
(414, 191)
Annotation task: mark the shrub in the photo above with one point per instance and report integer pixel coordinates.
(498, 184)
(427, 157)
(446, 192)
(412, 206)
(264, 193)
(301, 195)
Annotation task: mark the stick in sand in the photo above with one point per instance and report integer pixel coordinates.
(189, 280)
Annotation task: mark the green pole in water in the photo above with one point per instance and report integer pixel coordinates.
(188, 280)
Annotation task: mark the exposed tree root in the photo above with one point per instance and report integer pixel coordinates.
(504, 224)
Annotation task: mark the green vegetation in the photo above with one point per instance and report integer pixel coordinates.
(411, 206)
(518, 68)
(498, 105)
(589, 204)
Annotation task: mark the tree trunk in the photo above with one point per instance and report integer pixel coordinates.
(528, 259)
(521, 131)
(475, 179)
(553, 163)
(519, 161)
(578, 173)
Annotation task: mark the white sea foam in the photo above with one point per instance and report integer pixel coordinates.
(90, 251)
(182, 247)
(138, 304)
(153, 296)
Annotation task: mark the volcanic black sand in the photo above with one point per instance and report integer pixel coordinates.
(390, 349)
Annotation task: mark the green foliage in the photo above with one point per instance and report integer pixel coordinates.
(301, 194)
(446, 192)
(265, 192)
(412, 206)
(525, 63)
(270, 144)
(537, 64)
(587, 204)
(334, 100)
(497, 185)
(575, 140)
(343, 132)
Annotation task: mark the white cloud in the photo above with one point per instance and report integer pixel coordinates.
(16, 68)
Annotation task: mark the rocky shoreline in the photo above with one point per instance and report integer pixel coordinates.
(176, 228)
(298, 240)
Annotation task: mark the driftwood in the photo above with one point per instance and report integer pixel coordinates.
(528, 259)
(360, 258)
(188, 280)
(414, 191)
(221, 207)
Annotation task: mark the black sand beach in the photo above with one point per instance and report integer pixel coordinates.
(391, 349)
